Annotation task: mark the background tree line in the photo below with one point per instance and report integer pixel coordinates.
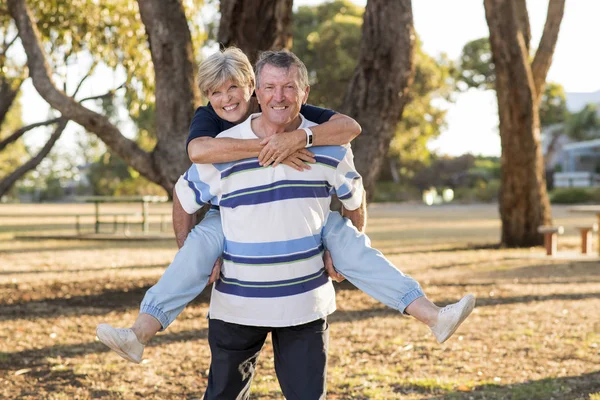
(366, 62)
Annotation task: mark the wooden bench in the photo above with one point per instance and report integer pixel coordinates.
(551, 237)
(586, 237)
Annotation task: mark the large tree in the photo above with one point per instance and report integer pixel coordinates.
(256, 25)
(176, 95)
(327, 38)
(520, 82)
(170, 48)
(378, 90)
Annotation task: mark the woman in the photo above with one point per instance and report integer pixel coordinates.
(227, 80)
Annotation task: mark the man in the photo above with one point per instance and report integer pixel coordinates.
(273, 277)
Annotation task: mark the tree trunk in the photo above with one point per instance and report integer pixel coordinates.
(8, 94)
(524, 201)
(378, 90)
(257, 25)
(176, 94)
(7, 183)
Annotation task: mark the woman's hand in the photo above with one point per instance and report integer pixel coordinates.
(279, 147)
(299, 159)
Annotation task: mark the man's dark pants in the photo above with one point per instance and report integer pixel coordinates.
(300, 359)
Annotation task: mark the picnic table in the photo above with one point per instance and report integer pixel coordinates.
(144, 201)
(588, 209)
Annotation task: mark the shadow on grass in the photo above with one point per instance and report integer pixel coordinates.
(564, 388)
(67, 271)
(97, 304)
(38, 358)
(118, 243)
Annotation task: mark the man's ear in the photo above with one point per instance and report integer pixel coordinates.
(306, 92)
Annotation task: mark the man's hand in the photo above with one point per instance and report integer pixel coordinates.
(279, 147)
(216, 272)
(330, 269)
(298, 160)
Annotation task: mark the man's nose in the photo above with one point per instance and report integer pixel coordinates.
(279, 94)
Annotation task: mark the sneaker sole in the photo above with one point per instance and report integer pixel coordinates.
(107, 339)
(466, 311)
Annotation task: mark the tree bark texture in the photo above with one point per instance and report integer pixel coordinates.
(255, 26)
(523, 197)
(8, 94)
(7, 183)
(378, 89)
(176, 95)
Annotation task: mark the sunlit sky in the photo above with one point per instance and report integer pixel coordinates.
(444, 27)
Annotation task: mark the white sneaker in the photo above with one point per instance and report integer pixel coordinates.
(122, 341)
(451, 316)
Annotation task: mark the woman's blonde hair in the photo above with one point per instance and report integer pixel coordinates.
(228, 64)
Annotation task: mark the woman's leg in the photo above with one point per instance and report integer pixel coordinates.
(188, 274)
(181, 282)
(369, 270)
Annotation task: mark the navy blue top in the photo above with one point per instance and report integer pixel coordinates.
(207, 123)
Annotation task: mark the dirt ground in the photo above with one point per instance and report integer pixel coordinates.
(535, 333)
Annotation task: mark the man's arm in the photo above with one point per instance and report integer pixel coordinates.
(182, 221)
(358, 217)
(339, 130)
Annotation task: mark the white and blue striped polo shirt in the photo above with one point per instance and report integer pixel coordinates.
(273, 273)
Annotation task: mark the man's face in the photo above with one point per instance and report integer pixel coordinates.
(230, 101)
(280, 94)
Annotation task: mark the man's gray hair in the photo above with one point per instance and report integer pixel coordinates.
(282, 59)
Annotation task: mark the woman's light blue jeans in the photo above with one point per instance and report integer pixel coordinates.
(351, 251)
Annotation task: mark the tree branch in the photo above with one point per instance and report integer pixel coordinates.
(8, 94)
(543, 55)
(7, 45)
(102, 96)
(21, 131)
(522, 17)
(85, 77)
(11, 179)
(68, 107)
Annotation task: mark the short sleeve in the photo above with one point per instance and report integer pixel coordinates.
(204, 124)
(198, 186)
(316, 114)
(348, 183)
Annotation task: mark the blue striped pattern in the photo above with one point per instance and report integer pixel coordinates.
(280, 190)
(244, 165)
(201, 190)
(278, 259)
(272, 248)
(283, 288)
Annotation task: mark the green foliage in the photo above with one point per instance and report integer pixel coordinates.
(482, 192)
(585, 124)
(476, 66)
(387, 191)
(327, 39)
(553, 107)
(575, 195)
(476, 70)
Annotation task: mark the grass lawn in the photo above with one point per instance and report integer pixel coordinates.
(535, 333)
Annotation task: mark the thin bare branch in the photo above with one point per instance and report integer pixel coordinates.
(69, 107)
(21, 131)
(85, 77)
(11, 179)
(102, 96)
(7, 45)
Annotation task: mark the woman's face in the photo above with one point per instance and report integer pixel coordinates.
(231, 101)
